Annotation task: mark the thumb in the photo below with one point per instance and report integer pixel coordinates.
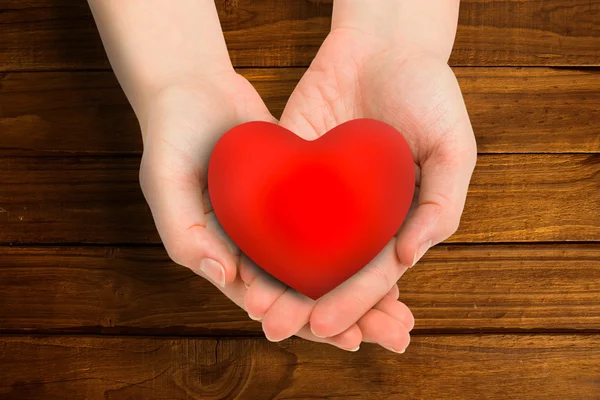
(180, 206)
(445, 177)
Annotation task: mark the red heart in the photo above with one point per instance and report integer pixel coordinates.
(311, 213)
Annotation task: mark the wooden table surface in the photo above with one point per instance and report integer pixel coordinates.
(91, 307)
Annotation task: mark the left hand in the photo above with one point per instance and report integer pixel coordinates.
(356, 75)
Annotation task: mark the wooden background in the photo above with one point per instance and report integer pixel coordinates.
(91, 307)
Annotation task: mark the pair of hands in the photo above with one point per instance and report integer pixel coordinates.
(354, 75)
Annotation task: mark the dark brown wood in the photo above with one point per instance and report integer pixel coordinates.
(486, 288)
(494, 319)
(520, 33)
(528, 198)
(73, 199)
(50, 35)
(507, 367)
(520, 110)
(512, 110)
(121, 290)
(111, 290)
(520, 198)
(65, 113)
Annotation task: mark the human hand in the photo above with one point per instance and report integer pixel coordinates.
(172, 64)
(361, 72)
(184, 121)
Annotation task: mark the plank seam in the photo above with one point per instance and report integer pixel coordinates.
(257, 335)
(158, 245)
(258, 67)
(66, 154)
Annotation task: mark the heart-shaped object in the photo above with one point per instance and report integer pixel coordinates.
(311, 213)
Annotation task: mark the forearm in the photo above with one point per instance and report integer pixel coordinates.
(428, 25)
(154, 43)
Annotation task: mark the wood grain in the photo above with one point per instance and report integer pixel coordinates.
(494, 319)
(123, 290)
(525, 32)
(513, 110)
(520, 198)
(450, 367)
(65, 113)
(52, 35)
(528, 198)
(520, 110)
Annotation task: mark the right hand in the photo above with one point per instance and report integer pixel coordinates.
(183, 123)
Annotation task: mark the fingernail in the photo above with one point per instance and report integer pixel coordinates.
(247, 286)
(271, 340)
(214, 270)
(355, 349)
(313, 332)
(252, 317)
(394, 350)
(421, 251)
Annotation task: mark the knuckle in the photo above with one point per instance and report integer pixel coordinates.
(454, 225)
(177, 252)
(379, 276)
(450, 227)
(145, 177)
(473, 159)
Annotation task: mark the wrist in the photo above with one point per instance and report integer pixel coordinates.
(425, 26)
(145, 93)
(143, 84)
(154, 44)
(188, 91)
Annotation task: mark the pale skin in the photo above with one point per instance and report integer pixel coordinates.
(382, 59)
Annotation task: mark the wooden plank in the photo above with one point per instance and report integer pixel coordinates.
(73, 199)
(66, 113)
(45, 35)
(110, 290)
(123, 290)
(487, 288)
(527, 198)
(513, 110)
(519, 110)
(506, 367)
(512, 198)
(525, 32)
